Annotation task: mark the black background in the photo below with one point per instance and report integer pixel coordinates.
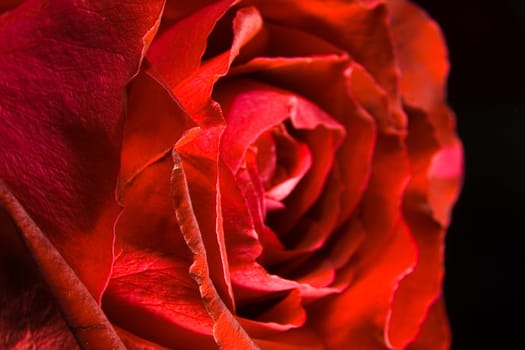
(485, 253)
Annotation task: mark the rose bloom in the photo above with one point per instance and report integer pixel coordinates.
(273, 174)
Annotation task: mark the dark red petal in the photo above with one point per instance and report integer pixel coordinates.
(434, 333)
(9, 5)
(81, 312)
(151, 293)
(352, 26)
(29, 316)
(422, 54)
(154, 122)
(272, 316)
(64, 71)
(226, 330)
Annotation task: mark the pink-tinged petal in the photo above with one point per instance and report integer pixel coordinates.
(356, 319)
(351, 26)
(446, 178)
(149, 249)
(434, 333)
(422, 54)
(65, 68)
(83, 316)
(154, 123)
(227, 332)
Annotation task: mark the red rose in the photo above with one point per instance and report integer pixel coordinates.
(223, 174)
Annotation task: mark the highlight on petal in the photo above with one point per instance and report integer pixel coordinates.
(63, 78)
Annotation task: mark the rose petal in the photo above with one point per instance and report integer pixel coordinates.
(418, 290)
(177, 9)
(434, 333)
(133, 342)
(350, 26)
(269, 315)
(29, 316)
(7, 5)
(199, 152)
(192, 82)
(356, 319)
(422, 54)
(226, 330)
(446, 177)
(333, 83)
(295, 339)
(81, 312)
(65, 68)
(150, 248)
(155, 121)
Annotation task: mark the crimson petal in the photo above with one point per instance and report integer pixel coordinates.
(64, 71)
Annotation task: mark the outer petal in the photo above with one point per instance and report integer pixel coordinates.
(423, 60)
(356, 318)
(350, 25)
(83, 316)
(423, 56)
(64, 70)
(434, 333)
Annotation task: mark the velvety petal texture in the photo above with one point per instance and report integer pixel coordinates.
(65, 67)
(224, 174)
